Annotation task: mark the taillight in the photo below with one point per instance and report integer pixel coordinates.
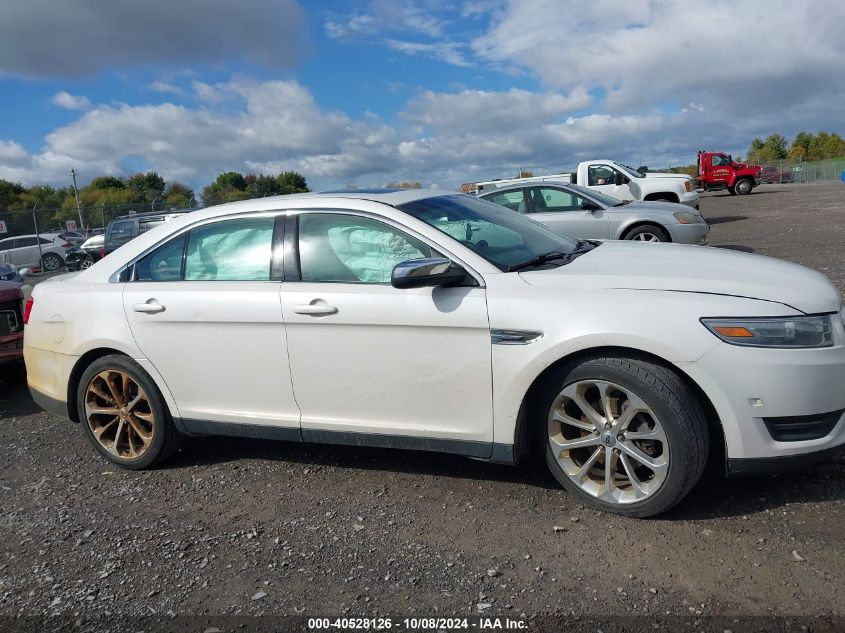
(27, 310)
(102, 252)
(67, 245)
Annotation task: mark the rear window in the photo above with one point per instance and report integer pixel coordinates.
(122, 228)
(148, 225)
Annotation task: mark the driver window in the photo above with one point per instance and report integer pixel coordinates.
(600, 175)
(550, 200)
(352, 249)
(718, 161)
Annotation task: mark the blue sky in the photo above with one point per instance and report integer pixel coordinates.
(368, 92)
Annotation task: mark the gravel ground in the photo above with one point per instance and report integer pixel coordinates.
(240, 527)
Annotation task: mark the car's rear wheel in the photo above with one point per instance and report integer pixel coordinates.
(647, 233)
(624, 435)
(86, 263)
(13, 373)
(51, 262)
(124, 415)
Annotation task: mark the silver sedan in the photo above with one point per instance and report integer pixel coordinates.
(582, 213)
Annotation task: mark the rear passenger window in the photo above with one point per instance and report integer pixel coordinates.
(163, 264)
(231, 250)
(513, 200)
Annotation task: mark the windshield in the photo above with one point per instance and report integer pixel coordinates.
(497, 234)
(608, 201)
(632, 171)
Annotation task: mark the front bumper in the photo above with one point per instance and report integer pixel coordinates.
(690, 198)
(698, 233)
(752, 386)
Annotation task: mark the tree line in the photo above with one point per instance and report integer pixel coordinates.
(106, 197)
(806, 146)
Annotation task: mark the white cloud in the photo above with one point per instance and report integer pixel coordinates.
(448, 52)
(386, 16)
(62, 39)
(166, 87)
(68, 101)
(720, 54)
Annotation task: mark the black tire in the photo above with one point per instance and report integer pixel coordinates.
(13, 373)
(743, 187)
(680, 414)
(86, 263)
(646, 230)
(51, 262)
(166, 440)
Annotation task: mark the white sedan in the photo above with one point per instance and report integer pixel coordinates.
(423, 320)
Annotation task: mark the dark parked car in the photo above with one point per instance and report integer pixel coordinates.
(11, 329)
(125, 228)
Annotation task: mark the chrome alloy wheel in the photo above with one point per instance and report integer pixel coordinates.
(608, 441)
(119, 414)
(646, 237)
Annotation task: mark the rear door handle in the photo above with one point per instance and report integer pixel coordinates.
(151, 306)
(314, 309)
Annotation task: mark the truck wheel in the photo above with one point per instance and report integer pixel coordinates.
(647, 233)
(732, 191)
(743, 187)
(623, 435)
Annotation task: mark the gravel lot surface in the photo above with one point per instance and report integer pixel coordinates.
(241, 527)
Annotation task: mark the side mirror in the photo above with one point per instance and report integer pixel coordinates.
(623, 180)
(590, 206)
(425, 272)
(25, 272)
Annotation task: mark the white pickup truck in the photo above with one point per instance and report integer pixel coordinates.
(617, 180)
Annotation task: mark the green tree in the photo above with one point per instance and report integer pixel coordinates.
(10, 194)
(405, 184)
(107, 182)
(642, 169)
(177, 195)
(145, 187)
(291, 182)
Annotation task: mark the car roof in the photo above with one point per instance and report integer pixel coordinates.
(151, 214)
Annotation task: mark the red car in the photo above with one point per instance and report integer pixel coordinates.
(11, 332)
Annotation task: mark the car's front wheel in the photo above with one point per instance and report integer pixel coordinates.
(624, 435)
(124, 415)
(647, 233)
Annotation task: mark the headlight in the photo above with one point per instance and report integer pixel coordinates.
(809, 331)
(688, 185)
(685, 217)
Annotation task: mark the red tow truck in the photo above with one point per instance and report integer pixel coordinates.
(717, 171)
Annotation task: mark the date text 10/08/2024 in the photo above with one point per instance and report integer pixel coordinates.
(417, 624)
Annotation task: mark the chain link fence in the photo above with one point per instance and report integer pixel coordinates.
(791, 171)
(93, 219)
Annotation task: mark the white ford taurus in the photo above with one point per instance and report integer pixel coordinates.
(412, 319)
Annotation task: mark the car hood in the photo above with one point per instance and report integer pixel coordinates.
(684, 268)
(652, 206)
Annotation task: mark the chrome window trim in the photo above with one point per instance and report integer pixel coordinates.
(393, 223)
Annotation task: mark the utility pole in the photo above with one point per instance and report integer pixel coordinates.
(76, 195)
(37, 234)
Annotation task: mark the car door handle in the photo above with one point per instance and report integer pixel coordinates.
(314, 309)
(150, 307)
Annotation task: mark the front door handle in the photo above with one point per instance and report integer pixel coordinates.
(150, 307)
(314, 309)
